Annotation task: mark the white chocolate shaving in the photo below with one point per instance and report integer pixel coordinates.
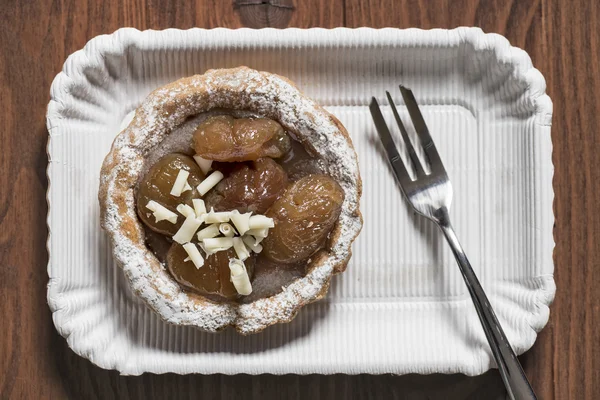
(217, 244)
(209, 232)
(217, 217)
(258, 233)
(227, 230)
(161, 213)
(186, 187)
(203, 163)
(239, 277)
(187, 230)
(240, 248)
(208, 253)
(185, 210)
(199, 207)
(194, 254)
(180, 183)
(261, 222)
(210, 182)
(241, 221)
(251, 243)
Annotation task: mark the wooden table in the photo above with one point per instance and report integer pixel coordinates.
(563, 39)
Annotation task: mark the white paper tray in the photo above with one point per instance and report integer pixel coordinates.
(402, 306)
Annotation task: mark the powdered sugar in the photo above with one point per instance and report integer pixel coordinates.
(167, 108)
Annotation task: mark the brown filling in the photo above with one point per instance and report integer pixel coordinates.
(266, 172)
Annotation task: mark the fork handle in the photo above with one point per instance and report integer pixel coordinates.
(512, 374)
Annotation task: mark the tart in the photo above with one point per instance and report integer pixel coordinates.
(231, 199)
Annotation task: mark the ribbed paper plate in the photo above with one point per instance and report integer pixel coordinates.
(401, 307)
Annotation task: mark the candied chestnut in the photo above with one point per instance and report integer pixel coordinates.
(251, 186)
(224, 138)
(213, 278)
(304, 216)
(156, 185)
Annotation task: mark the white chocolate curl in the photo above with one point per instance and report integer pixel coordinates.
(185, 210)
(227, 230)
(217, 217)
(241, 221)
(204, 249)
(209, 232)
(187, 230)
(251, 243)
(257, 239)
(239, 277)
(261, 222)
(203, 163)
(209, 182)
(214, 245)
(194, 254)
(258, 233)
(240, 248)
(161, 213)
(199, 207)
(180, 183)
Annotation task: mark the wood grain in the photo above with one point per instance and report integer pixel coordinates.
(563, 39)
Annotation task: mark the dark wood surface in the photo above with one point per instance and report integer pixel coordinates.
(563, 39)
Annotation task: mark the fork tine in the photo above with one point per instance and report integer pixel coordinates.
(421, 128)
(411, 150)
(389, 145)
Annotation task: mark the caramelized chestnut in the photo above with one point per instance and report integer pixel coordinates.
(251, 186)
(211, 279)
(156, 185)
(224, 138)
(304, 216)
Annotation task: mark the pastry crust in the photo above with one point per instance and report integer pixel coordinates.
(164, 109)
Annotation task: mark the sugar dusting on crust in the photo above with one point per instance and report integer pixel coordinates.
(168, 107)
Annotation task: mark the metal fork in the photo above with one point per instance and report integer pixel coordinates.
(430, 194)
